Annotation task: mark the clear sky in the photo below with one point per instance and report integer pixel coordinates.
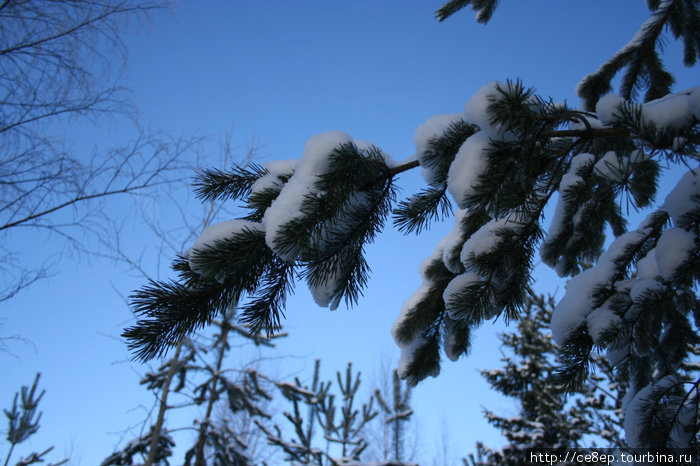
(282, 71)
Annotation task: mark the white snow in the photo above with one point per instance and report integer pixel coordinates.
(450, 340)
(633, 419)
(408, 354)
(647, 268)
(592, 122)
(476, 108)
(577, 303)
(456, 285)
(342, 224)
(275, 169)
(599, 321)
(217, 232)
(434, 256)
(406, 310)
(633, 43)
(363, 145)
(680, 200)
(642, 286)
(469, 163)
(307, 172)
(573, 308)
(610, 167)
(287, 206)
(624, 286)
(570, 179)
(674, 248)
(413, 300)
(453, 244)
(434, 127)
(485, 239)
(674, 110)
(326, 294)
(290, 387)
(607, 108)
(683, 434)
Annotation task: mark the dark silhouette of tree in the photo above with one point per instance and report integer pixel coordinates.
(61, 64)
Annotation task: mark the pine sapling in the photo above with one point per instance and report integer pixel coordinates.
(23, 422)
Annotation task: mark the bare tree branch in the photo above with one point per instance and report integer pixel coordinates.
(61, 61)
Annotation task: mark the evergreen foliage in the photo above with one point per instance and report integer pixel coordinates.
(416, 213)
(509, 155)
(197, 374)
(23, 423)
(325, 243)
(484, 9)
(327, 423)
(140, 447)
(644, 71)
(396, 414)
(547, 418)
(344, 431)
(326, 433)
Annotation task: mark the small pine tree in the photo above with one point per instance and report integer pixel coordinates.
(503, 160)
(329, 433)
(140, 448)
(192, 375)
(342, 434)
(395, 415)
(23, 422)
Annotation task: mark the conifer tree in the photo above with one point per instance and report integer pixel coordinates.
(202, 382)
(504, 159)
(328, 424)
(141, 447)
(23, 422)
(396, 412)
(342, 435)
(547, 419)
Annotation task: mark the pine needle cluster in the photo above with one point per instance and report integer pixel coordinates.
(511, 154)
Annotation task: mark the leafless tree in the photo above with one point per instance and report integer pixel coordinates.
(60, 64)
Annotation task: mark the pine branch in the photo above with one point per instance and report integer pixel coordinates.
(266, 307)
(416, 213)
(420, 210)
(212, 184)
(404, 167)
(484, 9)
(428, 309)
(426, 358)
(641, 60)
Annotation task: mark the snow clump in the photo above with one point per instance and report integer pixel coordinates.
(216, 233)
(287, 207)
(433, 128)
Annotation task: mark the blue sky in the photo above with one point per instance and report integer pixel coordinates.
(280, 72)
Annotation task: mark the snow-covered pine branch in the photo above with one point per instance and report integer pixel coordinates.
(501, 161)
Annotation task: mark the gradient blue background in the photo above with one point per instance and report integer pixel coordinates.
(282, 71)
